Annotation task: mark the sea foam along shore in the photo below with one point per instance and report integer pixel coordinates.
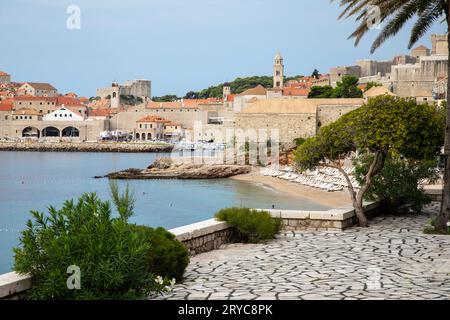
(330, 199)
(85, 147)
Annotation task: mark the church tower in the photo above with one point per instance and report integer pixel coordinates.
(278, 71)
(226, 90)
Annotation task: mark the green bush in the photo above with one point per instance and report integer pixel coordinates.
(251, 225)
(167, 256)
(398, 183)
(430, 228)
(112, 259)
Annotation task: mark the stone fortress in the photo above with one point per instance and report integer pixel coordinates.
(27, 110)
(418, 75)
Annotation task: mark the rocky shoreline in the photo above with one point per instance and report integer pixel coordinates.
(165, 169)
(84, 147)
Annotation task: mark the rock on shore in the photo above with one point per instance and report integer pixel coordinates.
(85, 147)
(164, 169)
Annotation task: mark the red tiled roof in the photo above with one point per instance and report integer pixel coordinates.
(2, 73)
(99, 113)
(153, 119)
(230, 97)
(259, 90)
(68, 101)
(173, 105)
(6, 105)
(295, 92)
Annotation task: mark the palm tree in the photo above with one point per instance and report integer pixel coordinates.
(395, 13)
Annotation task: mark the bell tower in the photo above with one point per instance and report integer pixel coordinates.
(278, 71)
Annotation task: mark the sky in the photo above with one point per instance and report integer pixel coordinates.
(180, 45)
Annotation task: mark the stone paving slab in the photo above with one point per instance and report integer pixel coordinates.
(392, 259)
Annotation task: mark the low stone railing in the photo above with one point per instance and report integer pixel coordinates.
(210, 234)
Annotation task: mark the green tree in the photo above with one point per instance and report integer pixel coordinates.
(347, 88)
(385, 125)
(320, 92)
(395, 14)
(372, 84)
(315, 74)
(166, 98)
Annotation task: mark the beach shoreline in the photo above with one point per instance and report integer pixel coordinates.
(330, 199)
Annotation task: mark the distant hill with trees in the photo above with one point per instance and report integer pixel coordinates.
(238, 85)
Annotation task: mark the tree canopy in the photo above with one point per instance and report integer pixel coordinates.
(347, 88)
(385, 125)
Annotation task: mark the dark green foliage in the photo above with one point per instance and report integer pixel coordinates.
(167, 256)
(320, 92)
(112, 258)
(315, 74)
(397, 183)
(394, 14)
(384, 126)
(347, 88)
(166, 98)
(130, 99)
(432, 228)
(299, 141)
(372, 84)
(252, 226)
(239, 85)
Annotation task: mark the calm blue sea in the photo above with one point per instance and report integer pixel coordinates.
(35, 180)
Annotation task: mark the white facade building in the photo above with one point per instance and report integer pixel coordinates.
(62, 114)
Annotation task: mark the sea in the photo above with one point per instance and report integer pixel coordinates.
(37, 180)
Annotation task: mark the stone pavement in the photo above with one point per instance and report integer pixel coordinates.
(392, 259)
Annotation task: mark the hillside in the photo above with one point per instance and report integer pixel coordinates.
(238, 85)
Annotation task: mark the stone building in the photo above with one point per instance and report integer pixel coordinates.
(37, 89)
(63, 114)
(43, 105)
(420, 51)
(150, 128)
(337, 73)
(248, 96)
(439, 44)
(278, 71)
(138, 88)
(4, 78)
(418, 80)
(111, 93)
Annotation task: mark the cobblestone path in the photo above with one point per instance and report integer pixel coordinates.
(392, 259)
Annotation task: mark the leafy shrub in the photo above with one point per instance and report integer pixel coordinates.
(167, 256)
(111, 257)
(398, 183)
(430, 228)
(299, 141)
(251, 225)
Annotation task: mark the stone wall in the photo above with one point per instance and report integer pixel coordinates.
(204, 236)
(327, 114)
(290, 126)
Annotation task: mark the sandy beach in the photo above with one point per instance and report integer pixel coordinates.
(330, 199)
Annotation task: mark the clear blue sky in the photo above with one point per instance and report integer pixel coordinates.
(180, 45)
